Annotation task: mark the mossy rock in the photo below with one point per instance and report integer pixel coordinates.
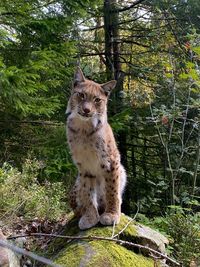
(99, 253)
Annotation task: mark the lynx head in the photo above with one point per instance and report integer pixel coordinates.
(89, 99)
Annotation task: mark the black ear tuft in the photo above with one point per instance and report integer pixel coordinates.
(107, 87)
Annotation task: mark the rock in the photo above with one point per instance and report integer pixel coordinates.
(7, 257)
(4, 259)
(101, 253)
(151, 238)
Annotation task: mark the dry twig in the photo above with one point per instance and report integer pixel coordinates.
(129, 222)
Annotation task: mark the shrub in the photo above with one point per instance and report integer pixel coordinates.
(183, 230)
(23, 195)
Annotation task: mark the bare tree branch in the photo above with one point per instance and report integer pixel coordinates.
(128, 7)
(116, 24)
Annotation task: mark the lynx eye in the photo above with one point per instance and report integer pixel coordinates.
(81, 95)
(97, 100)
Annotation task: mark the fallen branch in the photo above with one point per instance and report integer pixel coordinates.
(29, 254)
(91, 238)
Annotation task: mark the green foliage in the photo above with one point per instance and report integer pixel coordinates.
(36, 56)
(23, 195)
(32, 89)
(183, 231)
(55, 155)
(47, 143)
(121, 120)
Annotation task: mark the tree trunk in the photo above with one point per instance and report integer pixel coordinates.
(108, 38)
(113, 67)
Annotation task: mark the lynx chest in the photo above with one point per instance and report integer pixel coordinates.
(86, 152)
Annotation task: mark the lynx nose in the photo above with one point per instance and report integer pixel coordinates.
(86, 110)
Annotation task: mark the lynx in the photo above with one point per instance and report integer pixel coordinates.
(97, 193)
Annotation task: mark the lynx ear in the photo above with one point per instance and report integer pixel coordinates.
(107, 87)
(78, 77)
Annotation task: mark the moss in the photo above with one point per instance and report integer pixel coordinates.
(107, 231)
(72, 229)
(85, 253)
(104, 254)
(70, 256)
(130, 230)
(111, 254)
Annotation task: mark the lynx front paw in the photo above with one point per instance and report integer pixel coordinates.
(109, 218)
(87, 221)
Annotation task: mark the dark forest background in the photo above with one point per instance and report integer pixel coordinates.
(152, 49)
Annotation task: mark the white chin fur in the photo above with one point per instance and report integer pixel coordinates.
(94, 119)
(84, 118)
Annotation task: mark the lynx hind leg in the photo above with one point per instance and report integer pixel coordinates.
(73, 202)
(72, 198)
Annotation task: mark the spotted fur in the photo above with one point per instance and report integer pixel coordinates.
(97, 193)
